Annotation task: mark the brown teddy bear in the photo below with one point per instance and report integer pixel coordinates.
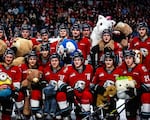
(121, 31)
(33, 77)
(102, 99)
(3, 47)
(23, 46)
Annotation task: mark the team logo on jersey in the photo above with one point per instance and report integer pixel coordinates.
(102, 74)
(135, 73)
(14, 71)
(144, 69)
(72, 75)
(47, 73)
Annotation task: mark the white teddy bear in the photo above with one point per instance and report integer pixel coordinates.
(102, 23)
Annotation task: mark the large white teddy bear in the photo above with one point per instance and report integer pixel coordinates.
(102, 23)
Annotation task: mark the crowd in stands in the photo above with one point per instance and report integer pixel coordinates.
(50, 14)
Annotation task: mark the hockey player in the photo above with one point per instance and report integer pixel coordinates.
(79, 78)
(44, 56)
(25, 33)
(83, 43)
(140, 74)
(15, 74)
(97, 52)
(52, 74)
(142, 43)
(35, 95)
(45, 39)
(105, 76)
(86, 30)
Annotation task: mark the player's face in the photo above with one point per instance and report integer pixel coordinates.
(44, 37)
(54, 62)
(32, 61)
(8, 59)
(63, 33)
(129, 60)
(75, 32)
(106, 37)
(45, 53)
(25, 34)
(86, 32)
(142, 31)
(109, 62)
(77, 62)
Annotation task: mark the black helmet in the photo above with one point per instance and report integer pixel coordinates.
(55, 55)
(25, 27)
(108, 31)
(32, 54)
(9, 51)
(142, 25)
(44, 31)
(109, 55)
(45, 47)
(128, 53)
(76, 26)
(63, 26)
(78, 54)
(85, 25)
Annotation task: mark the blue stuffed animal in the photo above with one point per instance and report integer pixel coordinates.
(66, 49)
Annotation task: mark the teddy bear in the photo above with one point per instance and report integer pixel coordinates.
(23, 46)
(32, 79)
(102, 24)
(110, 92)
(3, 47)
(120, 32)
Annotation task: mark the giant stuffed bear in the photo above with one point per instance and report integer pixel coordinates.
(102, 24)
(120, 32)
(23, 46)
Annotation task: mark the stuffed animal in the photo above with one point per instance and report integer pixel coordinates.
(122, 84)
(33, 76)
(23, 46)
(50, 103)
(138, 56)
(67, 46)
(3, 47)
(5, 86)
(102, 24)
(109, 93)
(120, 32)
(32, 79)
(66, 49)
